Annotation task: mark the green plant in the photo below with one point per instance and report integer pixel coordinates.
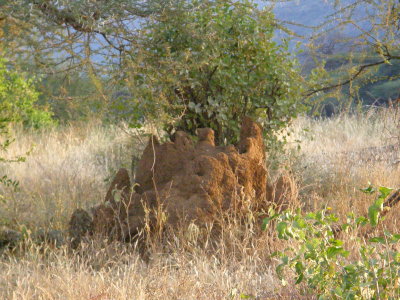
(17, 105)
(18, 98)
(208, 64)
(320, 260)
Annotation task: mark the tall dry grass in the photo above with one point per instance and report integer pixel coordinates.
(65, 168)
(69, 168)
(341, 155)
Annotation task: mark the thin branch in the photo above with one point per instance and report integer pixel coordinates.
(119, 48)
(353, 77)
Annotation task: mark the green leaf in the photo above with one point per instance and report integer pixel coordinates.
(374, 210)
(311, 216)
(276, 254)
(265, 223)
(345, 227)
(281, 228)
(373, 214)
(299, 223)
(299, 271)
(334, 251)
(395, 238)
(396, 257)
(384, 192)
(368, 190)
(244, 296)
(336, 243)
(350, 268)
(300, 278)
(380, 240)
(361, 221)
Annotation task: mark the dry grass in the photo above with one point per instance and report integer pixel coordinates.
(179, 270)
(69, 168)
(341, 155)
(66, 168)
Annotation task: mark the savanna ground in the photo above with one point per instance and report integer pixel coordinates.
(70, 167)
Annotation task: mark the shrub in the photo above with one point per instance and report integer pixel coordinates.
(18, 98)
(208, 64)
(321, 261)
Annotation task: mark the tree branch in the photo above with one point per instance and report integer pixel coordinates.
(61, 16)
(353, 77)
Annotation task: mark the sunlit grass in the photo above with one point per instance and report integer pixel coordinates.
(70, 167)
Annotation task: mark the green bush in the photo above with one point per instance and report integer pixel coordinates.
(18, 101)
(321, 261)
(208, 64)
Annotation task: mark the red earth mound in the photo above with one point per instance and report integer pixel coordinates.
(189, 181)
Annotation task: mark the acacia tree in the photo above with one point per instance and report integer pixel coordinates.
(64, 39)
(374, 41)
(60, 35)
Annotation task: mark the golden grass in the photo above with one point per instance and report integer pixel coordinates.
(116, 271)
(341, 155)
(70, 167)
(66, 168)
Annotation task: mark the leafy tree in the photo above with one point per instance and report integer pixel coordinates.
(105, 40)
(210, 64)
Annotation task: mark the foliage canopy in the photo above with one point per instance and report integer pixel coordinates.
(105, 41)
(210, 64)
